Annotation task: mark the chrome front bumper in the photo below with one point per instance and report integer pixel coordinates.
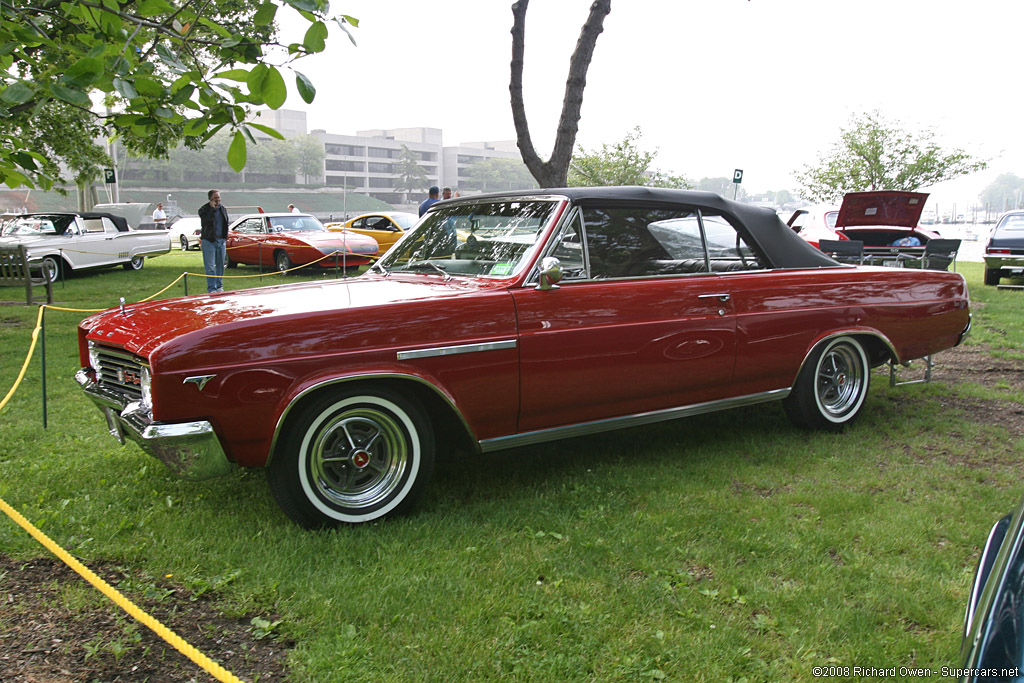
(191, 449)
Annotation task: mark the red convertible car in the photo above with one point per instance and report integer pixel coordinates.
(563, 312)
(286, 240)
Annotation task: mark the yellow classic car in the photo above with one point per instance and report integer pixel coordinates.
(384, 226)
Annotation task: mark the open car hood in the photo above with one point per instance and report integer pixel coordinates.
(882, 207)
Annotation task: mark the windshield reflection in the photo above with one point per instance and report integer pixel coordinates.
(488, 239)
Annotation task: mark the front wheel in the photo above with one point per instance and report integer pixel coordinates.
(831, 386)
(351, 457)
(183, 241)
(282, 261)
(135, 264)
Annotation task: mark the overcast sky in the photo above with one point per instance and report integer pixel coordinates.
(762, 85)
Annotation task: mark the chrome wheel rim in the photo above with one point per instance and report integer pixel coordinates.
(359, 458)
(50, 269)
(840, 380)
(184, 243)
(283, 261)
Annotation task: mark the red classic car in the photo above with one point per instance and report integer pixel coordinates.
(286, 240)
(563, 312)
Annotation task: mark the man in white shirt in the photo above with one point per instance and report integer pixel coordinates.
(159, 217)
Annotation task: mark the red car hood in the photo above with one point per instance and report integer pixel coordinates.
(883, 207)
(172, 327)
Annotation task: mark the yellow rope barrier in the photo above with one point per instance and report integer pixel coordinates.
(172, 638)
(24, 366)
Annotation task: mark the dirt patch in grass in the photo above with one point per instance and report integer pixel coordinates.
(44, 640)
(973, 365)
(47, 635)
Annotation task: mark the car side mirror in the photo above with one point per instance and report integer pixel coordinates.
(550, 273)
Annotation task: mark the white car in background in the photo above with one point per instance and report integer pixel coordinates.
(65, 242)
(185, 233)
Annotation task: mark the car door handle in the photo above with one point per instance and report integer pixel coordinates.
(721, 297)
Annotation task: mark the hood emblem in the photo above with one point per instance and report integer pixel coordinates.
(199, 380)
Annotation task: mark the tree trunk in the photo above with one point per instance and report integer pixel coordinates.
(553, 173)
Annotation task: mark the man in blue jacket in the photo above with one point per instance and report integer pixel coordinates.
(213, 221)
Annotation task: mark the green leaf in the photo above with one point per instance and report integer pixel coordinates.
(347, 32)
(25, 160)
(17, 93)
(236, 153)
(256, 77)
(214, 26)
(308, 5)
(266, 129)
(305, 87)
(265, 14)
(169, 58)
(83, 73)
(152, 8)
(148, 86)
(351, 20)
(274, 91)
(11, 178)
(69, 95)
(183, 95)
(316, 37)
(126, 88)
(240, 75)
(196, 127)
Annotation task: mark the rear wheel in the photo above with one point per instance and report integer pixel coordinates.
(282, 261)
(992, 276)
(831, 386)
(353, 456)
(136, 263)
(184, 243)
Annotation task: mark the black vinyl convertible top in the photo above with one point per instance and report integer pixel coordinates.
(778, 242)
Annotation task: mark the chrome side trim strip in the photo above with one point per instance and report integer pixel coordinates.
(542, 435)
(453, 350)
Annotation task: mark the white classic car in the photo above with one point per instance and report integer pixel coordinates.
(64, 242)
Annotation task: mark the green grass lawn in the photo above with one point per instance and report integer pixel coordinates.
(725, 547)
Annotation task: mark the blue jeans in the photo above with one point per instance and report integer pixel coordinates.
(214, 255)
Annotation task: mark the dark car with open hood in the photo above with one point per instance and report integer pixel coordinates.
(503, 321)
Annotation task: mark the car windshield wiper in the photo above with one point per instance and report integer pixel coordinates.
(379, 266)
(428, 265)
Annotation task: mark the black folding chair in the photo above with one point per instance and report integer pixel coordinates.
(938, 254)
(844, 251)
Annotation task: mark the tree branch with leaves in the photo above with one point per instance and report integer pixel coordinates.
(151, 73)
(875, 154)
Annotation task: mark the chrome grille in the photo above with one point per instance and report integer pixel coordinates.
(121, 372)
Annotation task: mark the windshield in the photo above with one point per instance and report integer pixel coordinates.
(1013, 221)
(296, 223)
(37, 225)
(488, 238)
